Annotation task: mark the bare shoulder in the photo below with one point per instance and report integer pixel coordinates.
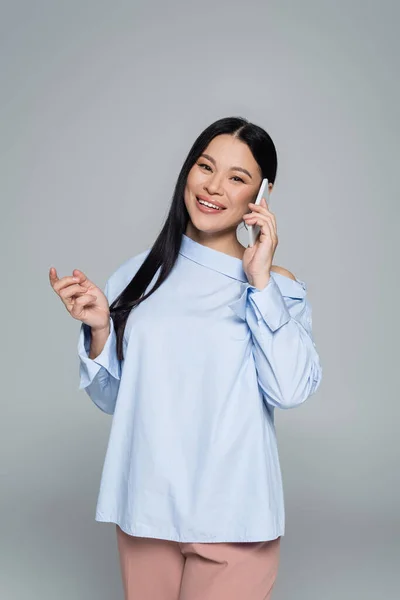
(282, 271)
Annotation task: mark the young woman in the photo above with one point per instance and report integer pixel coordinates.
(191, 347)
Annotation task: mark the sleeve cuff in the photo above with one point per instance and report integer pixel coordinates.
(269, 303)
(107, 359)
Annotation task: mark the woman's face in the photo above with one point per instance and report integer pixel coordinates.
(226, 175)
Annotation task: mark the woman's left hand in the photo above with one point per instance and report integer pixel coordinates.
(257, 259)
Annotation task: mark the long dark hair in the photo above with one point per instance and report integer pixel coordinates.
(165, 249)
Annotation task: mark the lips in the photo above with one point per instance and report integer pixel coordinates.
(209, 209)
(210, 201)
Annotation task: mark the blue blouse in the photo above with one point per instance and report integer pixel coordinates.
(192, 454)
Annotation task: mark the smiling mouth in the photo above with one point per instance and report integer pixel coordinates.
(209, 205)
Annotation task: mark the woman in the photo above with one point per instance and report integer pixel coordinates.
(192, 346)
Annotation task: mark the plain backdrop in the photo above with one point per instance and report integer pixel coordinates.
(100, 103)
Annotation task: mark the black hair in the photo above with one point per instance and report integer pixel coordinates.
(165, 250)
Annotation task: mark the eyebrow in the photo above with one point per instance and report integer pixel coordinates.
(210, 158)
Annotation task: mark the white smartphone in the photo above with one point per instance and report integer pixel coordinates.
(254, 230)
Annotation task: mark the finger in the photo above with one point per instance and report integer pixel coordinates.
(265, 214)
(64, 282)
(266, 225)
(72, 290)
(266, 203)
(53, 276)
(260, 208)
(80, 275)
(269, 231)
(85, 299)
(256, 220)
(80, 303)
(248, 218)
(272, 232)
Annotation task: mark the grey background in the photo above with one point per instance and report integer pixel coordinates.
(100, 102)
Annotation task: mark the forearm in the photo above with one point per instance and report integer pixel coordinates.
(98, 341)
(287, 363)
(284, 352)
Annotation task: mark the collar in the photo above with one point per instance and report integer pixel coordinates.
(213, 259)
(233, 267)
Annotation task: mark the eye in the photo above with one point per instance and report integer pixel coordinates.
(238, 178)
(207, 167)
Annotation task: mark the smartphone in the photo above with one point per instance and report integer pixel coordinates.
(254, 230)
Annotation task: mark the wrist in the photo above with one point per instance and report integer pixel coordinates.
(259, 282)
(100, 331)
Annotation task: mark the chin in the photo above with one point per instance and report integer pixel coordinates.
(199, 225)
(207, 228)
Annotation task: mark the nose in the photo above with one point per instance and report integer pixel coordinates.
(214, 185)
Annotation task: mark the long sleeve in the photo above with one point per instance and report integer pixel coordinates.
(279, 317)
(100, 377)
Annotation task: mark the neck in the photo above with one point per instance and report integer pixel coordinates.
(223, 241)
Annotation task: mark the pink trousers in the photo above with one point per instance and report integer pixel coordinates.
(154, 569)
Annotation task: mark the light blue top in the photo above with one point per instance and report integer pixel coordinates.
(192, 454)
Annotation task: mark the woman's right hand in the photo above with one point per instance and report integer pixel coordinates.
(82, 298)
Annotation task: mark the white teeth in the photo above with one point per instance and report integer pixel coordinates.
(208, 204)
